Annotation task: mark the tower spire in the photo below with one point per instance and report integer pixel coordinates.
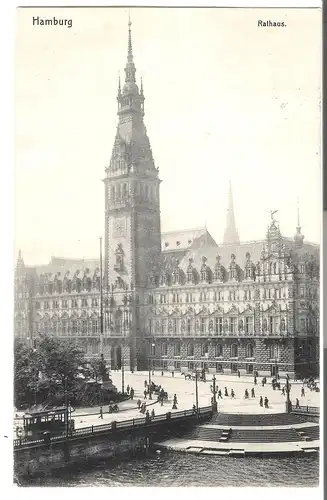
(231, 233)
(130, 67)
(299, 237)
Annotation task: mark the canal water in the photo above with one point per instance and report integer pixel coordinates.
(177, 469)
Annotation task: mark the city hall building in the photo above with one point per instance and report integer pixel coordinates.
(175, 301)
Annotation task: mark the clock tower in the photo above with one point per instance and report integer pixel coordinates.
(132, 207)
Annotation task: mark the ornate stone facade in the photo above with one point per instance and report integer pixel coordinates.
(176, 299)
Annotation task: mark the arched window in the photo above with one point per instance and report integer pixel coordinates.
(190, 350)
(249, 351)
(274, 351)
(177, 349)
(204, 349)
(164, 349)
(219, 350)
(234, 350)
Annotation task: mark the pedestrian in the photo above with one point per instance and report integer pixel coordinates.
(283, 391)
(238, 373)
(266, 402)
(263, 382)
(226, 392)
(153, 413)
(246, 394)
(175, 399)
(101, 412)
(161, 400)
(132, 393)
(278, 376)
(139, 403)
(194, 409)
(147, 417)
(252, 393)
(297, 403)
(162, 373)
(173, 374)
(261, 401)
(219, 394)
(232, 393)
(145, 383)
(255, 380)
(302, 393)
(127, 389)
(152, 372)
(145, 394)
(174, 405)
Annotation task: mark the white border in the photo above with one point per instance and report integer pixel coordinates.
(6, 254)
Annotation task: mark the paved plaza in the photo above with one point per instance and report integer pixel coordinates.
(185, 392)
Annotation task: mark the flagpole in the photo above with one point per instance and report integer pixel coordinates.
(101, 302)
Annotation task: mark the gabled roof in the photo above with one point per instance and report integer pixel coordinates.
(173, 241)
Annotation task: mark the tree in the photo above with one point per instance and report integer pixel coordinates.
(61, 361)
(25, 368)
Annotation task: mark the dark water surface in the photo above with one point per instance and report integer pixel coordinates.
(177, 469)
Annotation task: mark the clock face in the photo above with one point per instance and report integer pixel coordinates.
(119, 227)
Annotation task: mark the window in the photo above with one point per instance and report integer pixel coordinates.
(302, 268)
(46, 305)
(219, 368)
(150, 325)
(219, 351)
(203, 325)
(64, 327)
(249, 351)
(273, 324)
(37, 305)
(234, 350)
(204, 349)
(274, 351)
(94, 326)
(95, 302)
(190, 350)
(232, 324)
(248, 325)
(175, 326)
(164, 349)
(162, 299)
(177, 349)
(84, 302)
(188, 326)
(84, 327)
(64, 303)
(245, 295)
(301, 291)
(95, 348)
(162, 326)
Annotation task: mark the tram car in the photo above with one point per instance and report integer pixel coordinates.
(53, 422)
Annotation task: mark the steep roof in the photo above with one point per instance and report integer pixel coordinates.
(186, 239)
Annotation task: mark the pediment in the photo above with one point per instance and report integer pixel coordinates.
(233, 310)
(217, 310)
(248, 309)
(175, 312)
(272, 308)
(188, 311)
(203, 310)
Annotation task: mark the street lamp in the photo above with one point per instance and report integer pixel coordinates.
(214, 390)
(196, 391)
(288, 401)
(151, 345)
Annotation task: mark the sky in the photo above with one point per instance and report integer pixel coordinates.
(224, 100)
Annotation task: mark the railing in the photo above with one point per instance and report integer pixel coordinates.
(306, 409)
(97, 429)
